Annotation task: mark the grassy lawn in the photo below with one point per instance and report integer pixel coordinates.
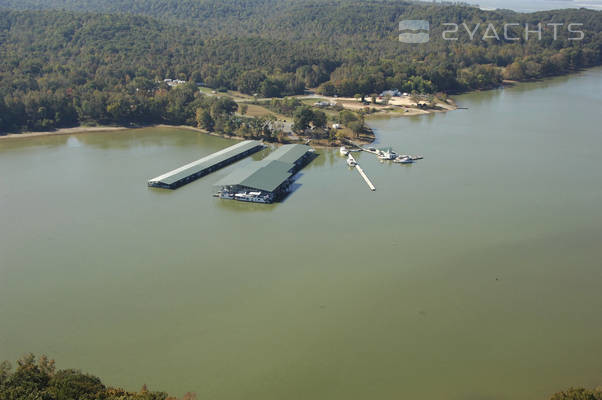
(231, 93)
(312, 101)
(255, 110)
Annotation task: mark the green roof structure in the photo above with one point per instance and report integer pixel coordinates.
(266, 175)
(289, 153)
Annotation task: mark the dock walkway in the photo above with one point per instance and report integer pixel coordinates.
(363, 174)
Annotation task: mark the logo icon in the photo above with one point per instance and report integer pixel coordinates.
(414, 26)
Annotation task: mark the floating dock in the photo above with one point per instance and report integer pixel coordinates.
(363, 174)
(267, 180)
(206, 165)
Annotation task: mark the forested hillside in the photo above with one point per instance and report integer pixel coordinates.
(60, 68)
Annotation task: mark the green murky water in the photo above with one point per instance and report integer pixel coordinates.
(474, 274)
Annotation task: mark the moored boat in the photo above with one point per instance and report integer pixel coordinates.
(253, 197)
(404, 160)
(386, 154)
(351, 161)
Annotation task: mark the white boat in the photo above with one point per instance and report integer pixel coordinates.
(387, 154)
(351, 161)
(225, 195)
(343, 150)
(404, 160)
(253, 197)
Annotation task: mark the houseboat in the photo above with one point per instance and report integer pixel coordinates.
(386, 154)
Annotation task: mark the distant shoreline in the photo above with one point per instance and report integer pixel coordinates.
(65, 131)
(388, 113)
(98, 129)
(110, 129)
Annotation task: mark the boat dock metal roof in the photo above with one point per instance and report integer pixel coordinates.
(197, 167)
(264, 175)
(289, 153)
(271, 172)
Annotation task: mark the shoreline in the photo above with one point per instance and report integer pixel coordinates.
(389, 113)
(78, 130)
(66, 131)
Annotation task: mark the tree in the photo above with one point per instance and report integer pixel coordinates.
(5, 370)
(346, 116)
(319, 119)
(223, 106)
(271, 88)
(302, 118)
(243, 109)
(515, 71)
(204, 119)
(578, 394)
(327, 89)
(38, 379)
(72, 384)
(61, 68)
(250, 81)
(356, 127)
(119, 108)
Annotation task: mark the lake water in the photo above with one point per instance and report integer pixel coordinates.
(474, 274)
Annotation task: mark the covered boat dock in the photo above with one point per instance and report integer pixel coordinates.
(206, 165)
(267, 180)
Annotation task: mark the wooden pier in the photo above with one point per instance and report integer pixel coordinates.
(363, 174)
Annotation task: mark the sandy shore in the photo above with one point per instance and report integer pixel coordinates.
(65, 131)
(108, 129)
(101, 129)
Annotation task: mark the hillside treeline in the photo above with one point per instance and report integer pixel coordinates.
(61, 68)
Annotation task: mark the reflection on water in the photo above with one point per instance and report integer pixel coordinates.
(474, 273)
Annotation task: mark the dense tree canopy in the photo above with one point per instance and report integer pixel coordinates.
(38, 379)
(59, 68)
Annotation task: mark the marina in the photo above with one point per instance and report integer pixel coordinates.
(267, 180)
(206, 165)
(383, 154)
